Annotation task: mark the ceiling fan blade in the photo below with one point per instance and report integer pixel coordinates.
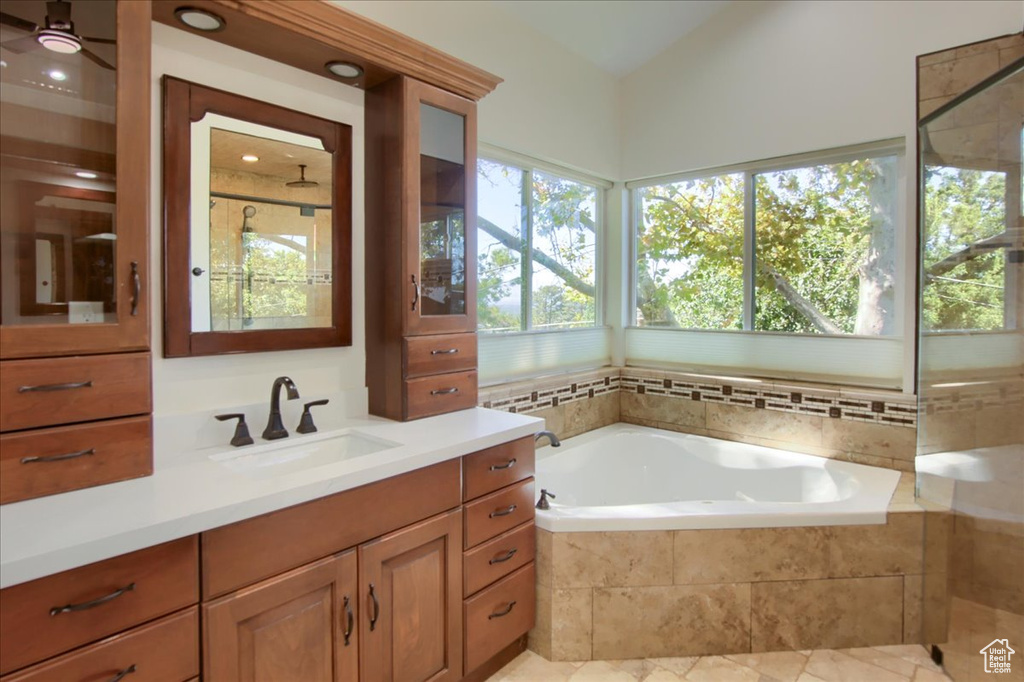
(93, 57)
(22, 44)
(15, 22)
(102, 41)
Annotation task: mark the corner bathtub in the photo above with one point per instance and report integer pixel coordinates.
(626, 478)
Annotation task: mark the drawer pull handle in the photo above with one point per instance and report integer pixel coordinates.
(502, 559)
(450, 351)
(444, 391)
(499, 467)
(70, 608)
(349, 621)
(45, 388)
(58, 458)
(123, 674)
(136, 288)
(376, 609)
(499, 614)
(503, 512)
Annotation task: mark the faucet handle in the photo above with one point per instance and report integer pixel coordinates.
(241, 436)
(306, 424)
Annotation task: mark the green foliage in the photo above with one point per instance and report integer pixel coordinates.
(962, 207)
(563, 233)
(270, 283)
(814, 231)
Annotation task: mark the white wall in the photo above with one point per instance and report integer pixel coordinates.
(184, 385)
(765, 79)
(553, 105)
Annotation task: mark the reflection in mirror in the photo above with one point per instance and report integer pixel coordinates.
(57, 169)
(257, 206)
(442, 212)
(269, 229)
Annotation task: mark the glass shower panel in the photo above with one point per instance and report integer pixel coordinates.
(970, 446)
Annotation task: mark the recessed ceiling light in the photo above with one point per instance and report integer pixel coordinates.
(200, 19)
(59, 41)
(88, 175)
(57, 75)
(250, 158)
(344, 69)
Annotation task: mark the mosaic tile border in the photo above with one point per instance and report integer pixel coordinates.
(553, 396)
(832, 404)
(801, 401)
(996, 395)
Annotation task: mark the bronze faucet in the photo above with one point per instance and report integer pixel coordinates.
(275, 427)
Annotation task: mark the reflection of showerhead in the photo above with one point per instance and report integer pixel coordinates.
(303, 182)
(247, 213)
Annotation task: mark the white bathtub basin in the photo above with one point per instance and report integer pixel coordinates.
(625, 477)
(299, 453)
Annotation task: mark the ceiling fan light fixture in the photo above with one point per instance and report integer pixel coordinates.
(346, 70)
(59, 41)
(200, 19)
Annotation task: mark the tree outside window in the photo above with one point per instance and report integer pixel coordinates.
(536, 250)
(809, 249)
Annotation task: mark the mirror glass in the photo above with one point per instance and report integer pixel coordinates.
(261, 228)
(58, 238)
(442, 212)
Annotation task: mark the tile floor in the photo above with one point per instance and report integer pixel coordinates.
(903, 663)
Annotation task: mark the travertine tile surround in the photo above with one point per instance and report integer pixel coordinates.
(697, 592)
(876, 428)
(876, 664)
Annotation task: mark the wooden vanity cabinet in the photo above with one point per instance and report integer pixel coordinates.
(74, 255)
(302, 625)
(411, 629)
(421, 250)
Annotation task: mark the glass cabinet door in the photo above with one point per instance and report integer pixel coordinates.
(443, 275)
(72, 259)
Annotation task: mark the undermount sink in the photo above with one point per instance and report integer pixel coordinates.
(301, 453)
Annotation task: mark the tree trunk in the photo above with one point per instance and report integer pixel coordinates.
(876, 300)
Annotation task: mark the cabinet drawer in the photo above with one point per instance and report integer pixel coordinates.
(48, 616)
(66, 390)
(499, 614)
(497, 558)
(263, 546)
(498, 512)
(426, 355)
(164, 651)
(439, 394)
(48, 461)
(488, 470)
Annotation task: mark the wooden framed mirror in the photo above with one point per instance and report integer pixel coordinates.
(257, 225)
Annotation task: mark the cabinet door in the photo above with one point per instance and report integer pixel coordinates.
(411, 582)
(440, 212)
(298, 627)
(74, 217)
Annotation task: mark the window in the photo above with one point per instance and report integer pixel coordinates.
(803, 245)
(536, 249)
(965, 280)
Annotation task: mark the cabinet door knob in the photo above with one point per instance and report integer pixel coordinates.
(376, 609)
(349, 620)
(136, 288)
(197, 271)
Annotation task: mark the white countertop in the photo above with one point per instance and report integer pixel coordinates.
(191, 492)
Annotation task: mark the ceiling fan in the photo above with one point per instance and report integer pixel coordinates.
(57, 35)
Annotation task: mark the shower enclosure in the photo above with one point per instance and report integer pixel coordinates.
(970, 444)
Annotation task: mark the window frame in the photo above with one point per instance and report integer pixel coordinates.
(889, 147)
(529, 165)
